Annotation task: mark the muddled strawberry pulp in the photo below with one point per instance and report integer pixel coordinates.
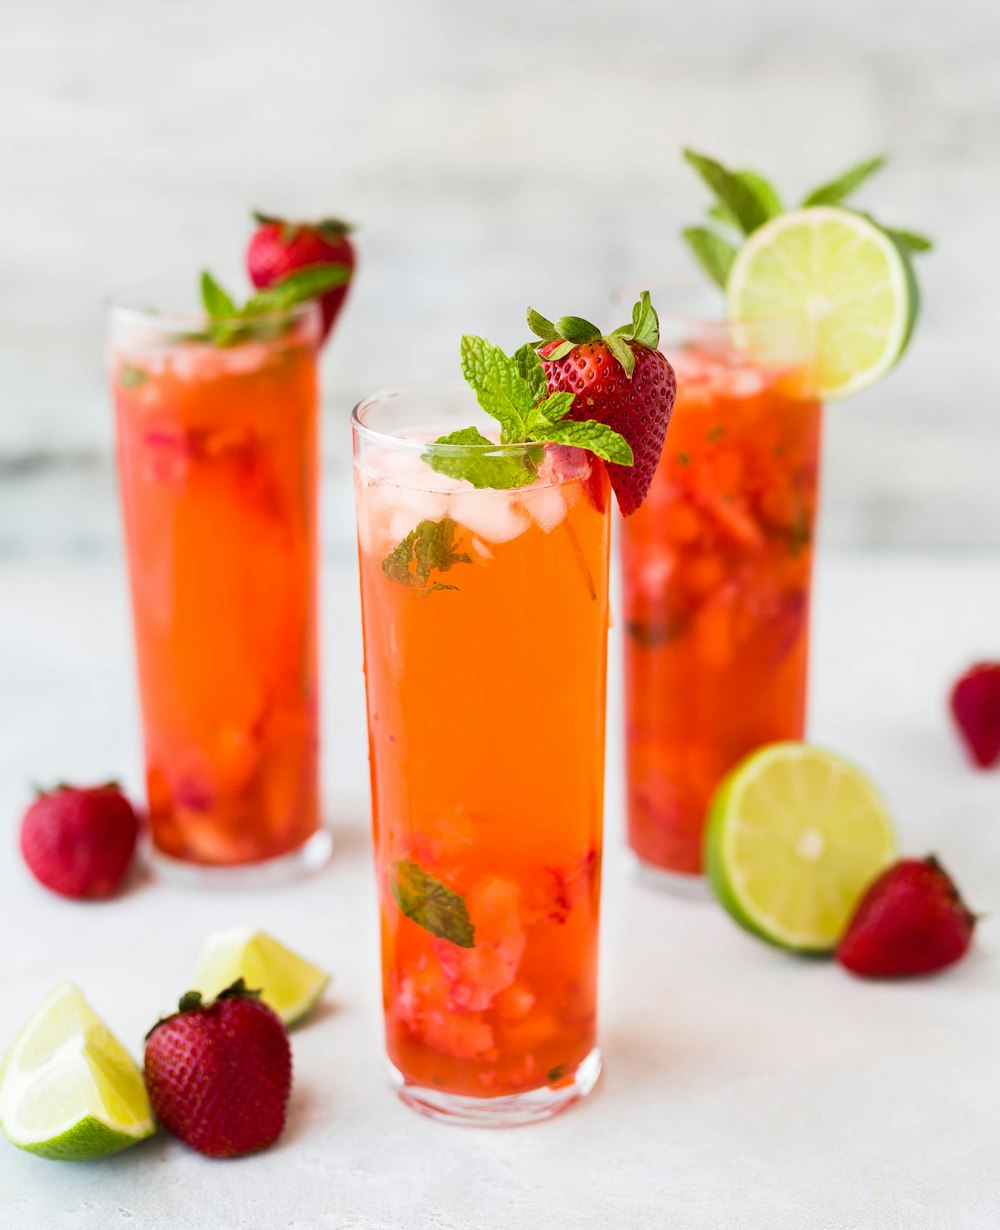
(716, 569)
(217, 459)
(485, 622)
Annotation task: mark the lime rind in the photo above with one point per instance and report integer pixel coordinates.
(795, 835)
(68, 1089)
(844, 287)
(288, 983)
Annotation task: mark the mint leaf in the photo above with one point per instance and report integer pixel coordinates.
(840, 189)
(555, 407)
(130, 377)
(499, 386)
(763, 190)
(428, 548)
(532, 372)
(910, 240)
(217, 302)
(297, 287)
(589, 434)
(431, 904)
(713, 253)
(738, 196)
(501, 470)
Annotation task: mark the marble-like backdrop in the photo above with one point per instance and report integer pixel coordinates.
(492, 154)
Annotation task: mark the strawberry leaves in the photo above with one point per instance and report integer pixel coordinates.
(745, 201)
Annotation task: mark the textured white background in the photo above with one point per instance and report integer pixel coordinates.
(493, 154)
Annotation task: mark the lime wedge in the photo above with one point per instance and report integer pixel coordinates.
(288, 983)
(69, 1089)
(795, 835)
(844, 287)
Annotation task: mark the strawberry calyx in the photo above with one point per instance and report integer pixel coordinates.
(43, 792)
(329, 228)
(194, 1001)
(571, 331)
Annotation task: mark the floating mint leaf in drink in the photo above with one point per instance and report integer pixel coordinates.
(130, 377)
(428, 548)
(431, 904)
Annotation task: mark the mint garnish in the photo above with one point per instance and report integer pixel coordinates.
(229, 324)
(428, 548)
(839, 189)
(513, 390)
(130, 377)
(745, 200)
(431, 904)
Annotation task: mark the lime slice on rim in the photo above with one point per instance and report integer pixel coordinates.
(844, 286)
(69, 1089)
(288, 983)
(795, 835)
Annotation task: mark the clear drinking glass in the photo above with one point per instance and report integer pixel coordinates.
(716, 568)
(217, 458)
(485, 627)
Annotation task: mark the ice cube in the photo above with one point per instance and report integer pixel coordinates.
(745, 382)
(546, 507)
(495, 516)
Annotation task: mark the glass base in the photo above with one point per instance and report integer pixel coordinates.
(694, 887)
(515, 1110)
(308, 858)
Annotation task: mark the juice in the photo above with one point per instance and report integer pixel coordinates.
(217, 463)
(485, 654)
(716, 568)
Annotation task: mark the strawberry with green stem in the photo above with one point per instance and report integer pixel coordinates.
(611, 395)
(280, 249)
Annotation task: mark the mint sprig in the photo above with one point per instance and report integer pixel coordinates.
(745, 200)
(513, 389)
(425, 550)
(229, 324)
(431, 904)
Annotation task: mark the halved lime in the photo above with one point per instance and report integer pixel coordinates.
(69, 1089)
(288, 983)
(795, 835)
(843, 286)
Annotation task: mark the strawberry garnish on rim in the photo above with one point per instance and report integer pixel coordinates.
(621, 380)
(279, 248)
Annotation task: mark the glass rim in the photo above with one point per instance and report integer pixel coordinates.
(118, 309)
(372, 435)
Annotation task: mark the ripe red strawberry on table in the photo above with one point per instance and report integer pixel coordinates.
(278, 248)
(975, 705)
(621, 380)
(79, 841)
(912, 920)
(219, 1074)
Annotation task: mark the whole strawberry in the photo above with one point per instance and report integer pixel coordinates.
(278, 248)
(975, 705)
(79, 841)
(912, 920)
(621, 380)
(219, 1074)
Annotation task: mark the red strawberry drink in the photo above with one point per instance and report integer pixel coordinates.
(716, 570)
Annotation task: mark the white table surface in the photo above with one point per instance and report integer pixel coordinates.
(743, 1088)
